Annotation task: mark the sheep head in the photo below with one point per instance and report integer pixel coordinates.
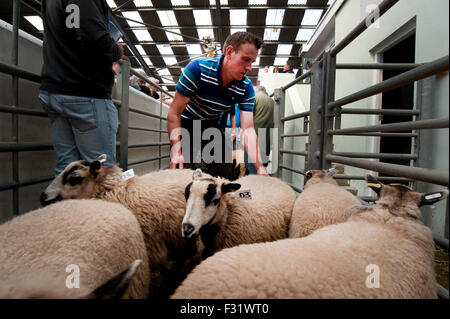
(315, 176)
(401, 199)
(80, 179)
(203, 197)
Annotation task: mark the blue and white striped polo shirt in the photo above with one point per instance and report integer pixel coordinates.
(202, 83)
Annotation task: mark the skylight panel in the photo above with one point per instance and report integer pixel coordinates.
(234, 30)
(167, 18)
(194, 49)
(36, 21)
(140, 49)
(142, 35)
(170, 60)
(256, 63)
(179, 3)
(296, 2)
(202, 17)
(284, 49)
(204, 33)
(143, 3)
(222, 2)
(164, 71)
(134, 15)
(173, 36)
(304, 34)
(111, 3)
(280, 61)
(274, 16)
(271, 34)
(238, 17)
(312, 16)
(148, 61)
(164, 49)
(257, 2)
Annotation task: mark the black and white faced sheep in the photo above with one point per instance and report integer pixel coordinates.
(156, 199)
(381, 251)
(250, 210)
(73, 249)
(322, 202)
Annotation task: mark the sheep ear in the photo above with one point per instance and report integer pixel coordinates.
(197, 174)
(374, 184)
(95, 168)
(230, 187)
(433, 197)
(101, 158)
(116, 287)
(332, 171)
(308, 174)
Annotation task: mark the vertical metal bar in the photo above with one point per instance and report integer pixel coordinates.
(328, 120)
(219, 24)
(316, 112)
(15, 103)
(123, 86)
(278, 114)
(160, 128)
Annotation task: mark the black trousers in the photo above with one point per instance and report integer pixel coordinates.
(219, 148)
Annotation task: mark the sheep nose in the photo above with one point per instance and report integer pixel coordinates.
(43, 199)
(187, 229)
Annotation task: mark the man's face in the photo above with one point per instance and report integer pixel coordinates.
(286, 67)
(240, 61)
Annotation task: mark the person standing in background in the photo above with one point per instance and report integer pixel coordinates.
(77, 80)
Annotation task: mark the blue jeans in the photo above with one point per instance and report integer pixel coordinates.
(82, 128)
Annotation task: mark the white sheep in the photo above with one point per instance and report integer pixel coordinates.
(224, 218)
(382, 251)
(322, 202)
(43, 250)
(156, 199)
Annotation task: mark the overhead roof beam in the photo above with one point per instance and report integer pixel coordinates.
(180, 8)
(230, 26)
(183, 43)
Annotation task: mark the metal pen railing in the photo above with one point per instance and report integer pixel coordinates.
(325, 116)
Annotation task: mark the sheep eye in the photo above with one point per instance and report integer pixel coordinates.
(216, 201)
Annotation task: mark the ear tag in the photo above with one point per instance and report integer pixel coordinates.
(374, 185)
(128, 174)
(433, 196)
(245, 194)
(98, 170)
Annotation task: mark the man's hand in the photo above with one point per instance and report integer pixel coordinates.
(233, 135)
(176, 159)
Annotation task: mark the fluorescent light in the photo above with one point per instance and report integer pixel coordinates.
(134, 15)
(234, 30)
(179, 3)
(280, 61)
(238, 17)
(111, 3)
(271, 34)
(147, 60)
(296, 2)
(170, 60)
(222, 2)
(173, 36)
(36, 21)
(257, 2)
(167, 18)
(284, 49)
(143, 3)
(204, 33)
(140, 49)
(312, 16)
(164, 49)
(202, 17)
(274, 16)
(194, 49)
(142, 35)
(304, 34)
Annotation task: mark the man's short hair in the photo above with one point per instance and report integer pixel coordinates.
(238, 38)
(290, 63)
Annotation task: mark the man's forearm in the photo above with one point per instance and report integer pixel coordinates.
(173, 128)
